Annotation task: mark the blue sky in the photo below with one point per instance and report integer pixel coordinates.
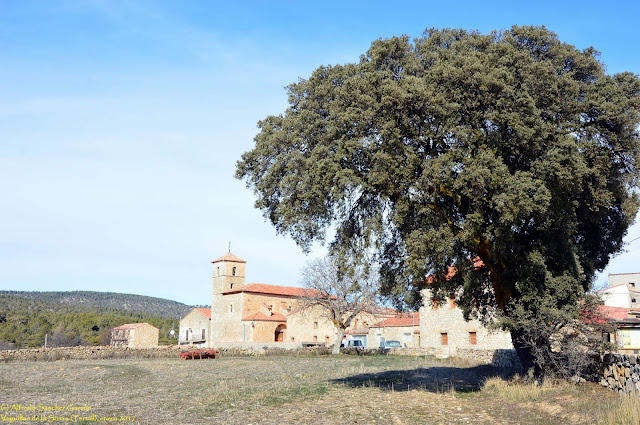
(121, 123)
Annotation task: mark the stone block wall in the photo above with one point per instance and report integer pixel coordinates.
(619, 372)
(86, 353)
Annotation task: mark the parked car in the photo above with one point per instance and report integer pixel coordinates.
(391, 344)
(352, 343)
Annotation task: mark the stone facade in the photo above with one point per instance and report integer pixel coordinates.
(195, 328)
(135, 335)
(261, 313)
(619, 372)
(403, 327)
(444, 328)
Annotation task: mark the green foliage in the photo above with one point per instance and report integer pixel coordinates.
(511, 147)
(28, 320)
(127, 302)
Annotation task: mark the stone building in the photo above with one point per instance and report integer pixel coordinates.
(135, 335)
(246, 313)
(195, 328)
(443, 328)
(402, 327)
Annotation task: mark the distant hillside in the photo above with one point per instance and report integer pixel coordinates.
(110, 300)
(25, 321)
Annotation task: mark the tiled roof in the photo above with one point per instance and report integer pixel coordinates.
(130, 326)
(260, 316)
(229, 257)
(402, 319)
(206, 312)
(615, 313)
(452, 270)
(263, 288)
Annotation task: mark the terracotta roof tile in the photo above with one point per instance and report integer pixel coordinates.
(401, 319)
(206, 312)
(615, 313)
(262, 288)
(260, 316)
(229, 257)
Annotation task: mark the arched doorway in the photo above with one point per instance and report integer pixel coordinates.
(279, 333)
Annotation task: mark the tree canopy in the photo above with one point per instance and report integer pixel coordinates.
(512, 147)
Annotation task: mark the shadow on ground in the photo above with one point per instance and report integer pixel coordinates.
(435, 379)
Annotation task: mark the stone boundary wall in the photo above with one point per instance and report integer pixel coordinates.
(87, 353)
(619, 372)
(506, 358)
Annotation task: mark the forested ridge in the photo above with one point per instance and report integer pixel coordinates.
(80, 317)
(128, 302)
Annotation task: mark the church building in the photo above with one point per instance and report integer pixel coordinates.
(243, 313)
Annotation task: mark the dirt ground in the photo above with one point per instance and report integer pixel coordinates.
(282, 390)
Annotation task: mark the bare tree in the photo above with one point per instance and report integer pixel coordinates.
(341, 289)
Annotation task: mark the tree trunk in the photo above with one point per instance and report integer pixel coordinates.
(336, 346)
(524, 353)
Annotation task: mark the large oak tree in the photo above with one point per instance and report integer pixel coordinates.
(511, 147)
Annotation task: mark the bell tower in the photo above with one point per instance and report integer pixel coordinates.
(228, 275)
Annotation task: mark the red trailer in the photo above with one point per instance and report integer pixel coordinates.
(201, 353)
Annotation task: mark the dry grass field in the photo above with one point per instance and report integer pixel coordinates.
(296, 390)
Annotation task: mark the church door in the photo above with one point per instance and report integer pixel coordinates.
(279, 333)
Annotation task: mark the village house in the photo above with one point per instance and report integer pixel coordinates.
(135, 335)
(195, 328)
(622, 305)
(402, 327)
(444, 329)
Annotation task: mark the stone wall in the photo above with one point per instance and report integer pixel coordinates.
(444, 326)
(506, 358)
(620, 372)
(86, 353)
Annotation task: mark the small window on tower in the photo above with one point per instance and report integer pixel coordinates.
(233, 271)
(231, 286)
(633, 284)
(231, 308)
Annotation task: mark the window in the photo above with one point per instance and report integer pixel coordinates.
(231, 285)
(315, 325)
(633, 300)
(452, 303)
(233, 271)
(473, 338)
(203, 334)
(632, 284)
(231, 308)
(218, 271)
(293, 339)
(326, 339)
(315, 338)
(444, 338)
